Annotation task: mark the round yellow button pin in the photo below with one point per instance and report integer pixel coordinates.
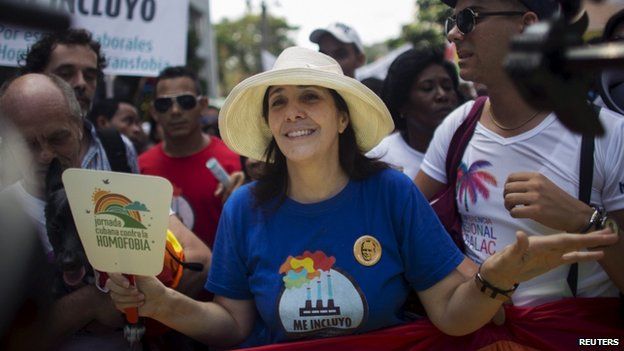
(367, 250)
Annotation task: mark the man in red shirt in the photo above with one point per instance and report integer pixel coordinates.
(182, 155)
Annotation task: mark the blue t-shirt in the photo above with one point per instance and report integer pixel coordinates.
(298, 262)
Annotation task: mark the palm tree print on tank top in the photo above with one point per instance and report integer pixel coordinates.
(472, 181)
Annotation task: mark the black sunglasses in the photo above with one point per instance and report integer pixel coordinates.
(466, 19)
(185, 101)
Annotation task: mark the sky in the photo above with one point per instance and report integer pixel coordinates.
(374, 20)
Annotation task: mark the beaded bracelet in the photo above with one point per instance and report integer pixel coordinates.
(491, 291)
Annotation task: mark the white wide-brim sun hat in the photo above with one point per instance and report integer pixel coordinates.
(245, 131)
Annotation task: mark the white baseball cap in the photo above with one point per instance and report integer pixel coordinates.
(341, 32)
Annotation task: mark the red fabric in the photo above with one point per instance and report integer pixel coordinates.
(553, 326)
(193, 181)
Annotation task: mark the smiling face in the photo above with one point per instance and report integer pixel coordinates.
(368, 250)
(178, 122)
(482, 51)
(305, 122)
(431, 98)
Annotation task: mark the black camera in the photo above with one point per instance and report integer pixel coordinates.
(553, 70)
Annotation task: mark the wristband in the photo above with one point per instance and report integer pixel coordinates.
(491, 291)
(596, 220)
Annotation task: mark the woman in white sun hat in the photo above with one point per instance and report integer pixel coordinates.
(329, 242)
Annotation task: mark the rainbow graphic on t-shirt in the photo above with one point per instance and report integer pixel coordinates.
(305, 268)
(119, 206)
(317, 298)
(471, 181)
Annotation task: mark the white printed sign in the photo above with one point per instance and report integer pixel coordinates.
(121, 219)
(138, 37)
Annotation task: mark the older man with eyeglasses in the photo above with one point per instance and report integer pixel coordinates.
(48, 112)
(521, 168)
(182, 155)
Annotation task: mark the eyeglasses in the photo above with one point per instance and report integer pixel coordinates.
(466, 19)
(185, 101)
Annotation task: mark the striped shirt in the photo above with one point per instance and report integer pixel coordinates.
(96, 158)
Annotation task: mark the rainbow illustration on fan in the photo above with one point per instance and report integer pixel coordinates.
(121, 219)
(124, 229)
(119, 206)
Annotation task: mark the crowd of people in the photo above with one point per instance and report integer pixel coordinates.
(325, 224)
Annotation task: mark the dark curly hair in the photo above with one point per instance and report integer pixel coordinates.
(38, 56)
(403, 72)
(103, 107)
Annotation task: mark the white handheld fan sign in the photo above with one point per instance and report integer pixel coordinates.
(121, 219)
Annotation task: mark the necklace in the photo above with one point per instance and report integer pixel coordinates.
(493, 118)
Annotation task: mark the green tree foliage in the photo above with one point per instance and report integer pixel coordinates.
(433, 11)
(428, 28)
(239, 42)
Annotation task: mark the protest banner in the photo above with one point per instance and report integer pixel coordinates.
(138, 37)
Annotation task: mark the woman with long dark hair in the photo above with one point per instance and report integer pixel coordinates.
(420, 90)
(329, 242)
